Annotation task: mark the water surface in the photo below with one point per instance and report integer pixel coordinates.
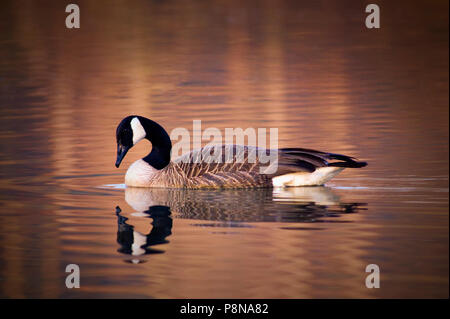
(311, 70)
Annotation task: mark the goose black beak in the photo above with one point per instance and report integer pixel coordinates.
(121, 152)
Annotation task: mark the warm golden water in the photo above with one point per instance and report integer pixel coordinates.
(313, 71)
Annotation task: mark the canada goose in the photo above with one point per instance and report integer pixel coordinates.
(295, 166)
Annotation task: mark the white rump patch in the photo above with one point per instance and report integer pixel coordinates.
(319, 177)
(138, 130)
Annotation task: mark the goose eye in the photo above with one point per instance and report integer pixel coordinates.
(125, 136)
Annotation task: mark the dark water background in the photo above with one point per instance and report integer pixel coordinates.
(310, 69)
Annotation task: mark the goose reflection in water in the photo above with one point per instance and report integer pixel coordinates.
(137, 244)
(224, 208)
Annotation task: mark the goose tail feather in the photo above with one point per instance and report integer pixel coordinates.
(301, 159)
(349, 164)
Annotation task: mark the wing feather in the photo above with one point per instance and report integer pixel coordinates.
(238, 166)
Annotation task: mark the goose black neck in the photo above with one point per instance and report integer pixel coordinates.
(159, 157)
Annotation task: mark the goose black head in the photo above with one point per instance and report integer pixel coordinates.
(128, 133)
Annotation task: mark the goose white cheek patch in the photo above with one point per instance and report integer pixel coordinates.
(138, 130)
